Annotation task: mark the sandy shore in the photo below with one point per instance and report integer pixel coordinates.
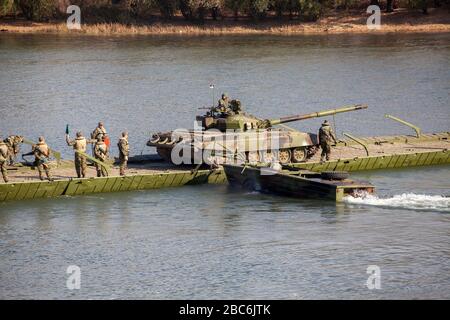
(402, 21)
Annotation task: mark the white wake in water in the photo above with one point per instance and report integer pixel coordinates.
(406, 201)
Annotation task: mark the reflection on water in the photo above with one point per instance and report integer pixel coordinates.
(213, 241)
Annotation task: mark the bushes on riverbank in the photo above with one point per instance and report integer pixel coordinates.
(130, 11)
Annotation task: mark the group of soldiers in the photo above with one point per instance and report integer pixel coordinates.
(100, 141)
(9, 148)
(226, 106)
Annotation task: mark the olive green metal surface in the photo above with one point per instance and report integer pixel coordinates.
(74, 187)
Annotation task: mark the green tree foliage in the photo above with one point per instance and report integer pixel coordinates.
(419, 4)
(136, 8)
(235, 6)
(256, 8)
(167, 8)
(37, 10)
(347, 4)
(6, 7)
(128, 11)
(198, 9)
(280, 6)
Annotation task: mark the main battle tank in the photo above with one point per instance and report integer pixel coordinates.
(245, 135)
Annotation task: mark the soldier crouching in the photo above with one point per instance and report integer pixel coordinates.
(41, 153)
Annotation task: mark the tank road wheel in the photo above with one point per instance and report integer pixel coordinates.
(253, 156)
(299, 155)
(284, 156)
(267, 156)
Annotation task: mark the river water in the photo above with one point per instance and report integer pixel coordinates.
(212, 241)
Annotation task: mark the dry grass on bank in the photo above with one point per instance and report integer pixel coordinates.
(400, 21)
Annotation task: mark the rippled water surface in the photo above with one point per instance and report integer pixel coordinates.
(212, 241)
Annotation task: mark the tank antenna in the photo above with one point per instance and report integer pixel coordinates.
(211, 86)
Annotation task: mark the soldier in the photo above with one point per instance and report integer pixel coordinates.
(223, 104)
(236, 106)
(100, 153)
(124, 151)
(41, 153)
(326, 136)
(79, 144)
(13, 143)
(224, 101)
(99, 132)
(3, 160)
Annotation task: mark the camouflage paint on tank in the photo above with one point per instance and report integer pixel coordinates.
(241, 127)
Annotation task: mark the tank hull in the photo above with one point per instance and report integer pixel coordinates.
(253, 145)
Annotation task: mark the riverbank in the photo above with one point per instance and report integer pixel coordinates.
(400, 21)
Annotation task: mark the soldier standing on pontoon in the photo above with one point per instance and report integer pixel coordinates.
(326, 137)
(3, 160)
(124, 151)
(79, 144)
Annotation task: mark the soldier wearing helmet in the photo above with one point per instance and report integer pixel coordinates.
(99, 132)
(326, 137)
(101, 154)
(3, 160)
(41, 153)
(79, 144)
(223, 105)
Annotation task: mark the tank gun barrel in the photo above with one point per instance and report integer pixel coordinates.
(315, 114)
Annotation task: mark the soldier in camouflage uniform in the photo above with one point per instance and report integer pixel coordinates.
(223, 104)
(41, 153)
(3, 160)
(326, 137)
(124, 151)
(100, 153)
(79, 144)
(236, 106)
(13, 143)
(99, 132)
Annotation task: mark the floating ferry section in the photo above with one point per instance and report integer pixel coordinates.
(76, 187)
(358, 154)
(350, 154)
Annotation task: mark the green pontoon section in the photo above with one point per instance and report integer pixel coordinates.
(380, 162)
(75, 187)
